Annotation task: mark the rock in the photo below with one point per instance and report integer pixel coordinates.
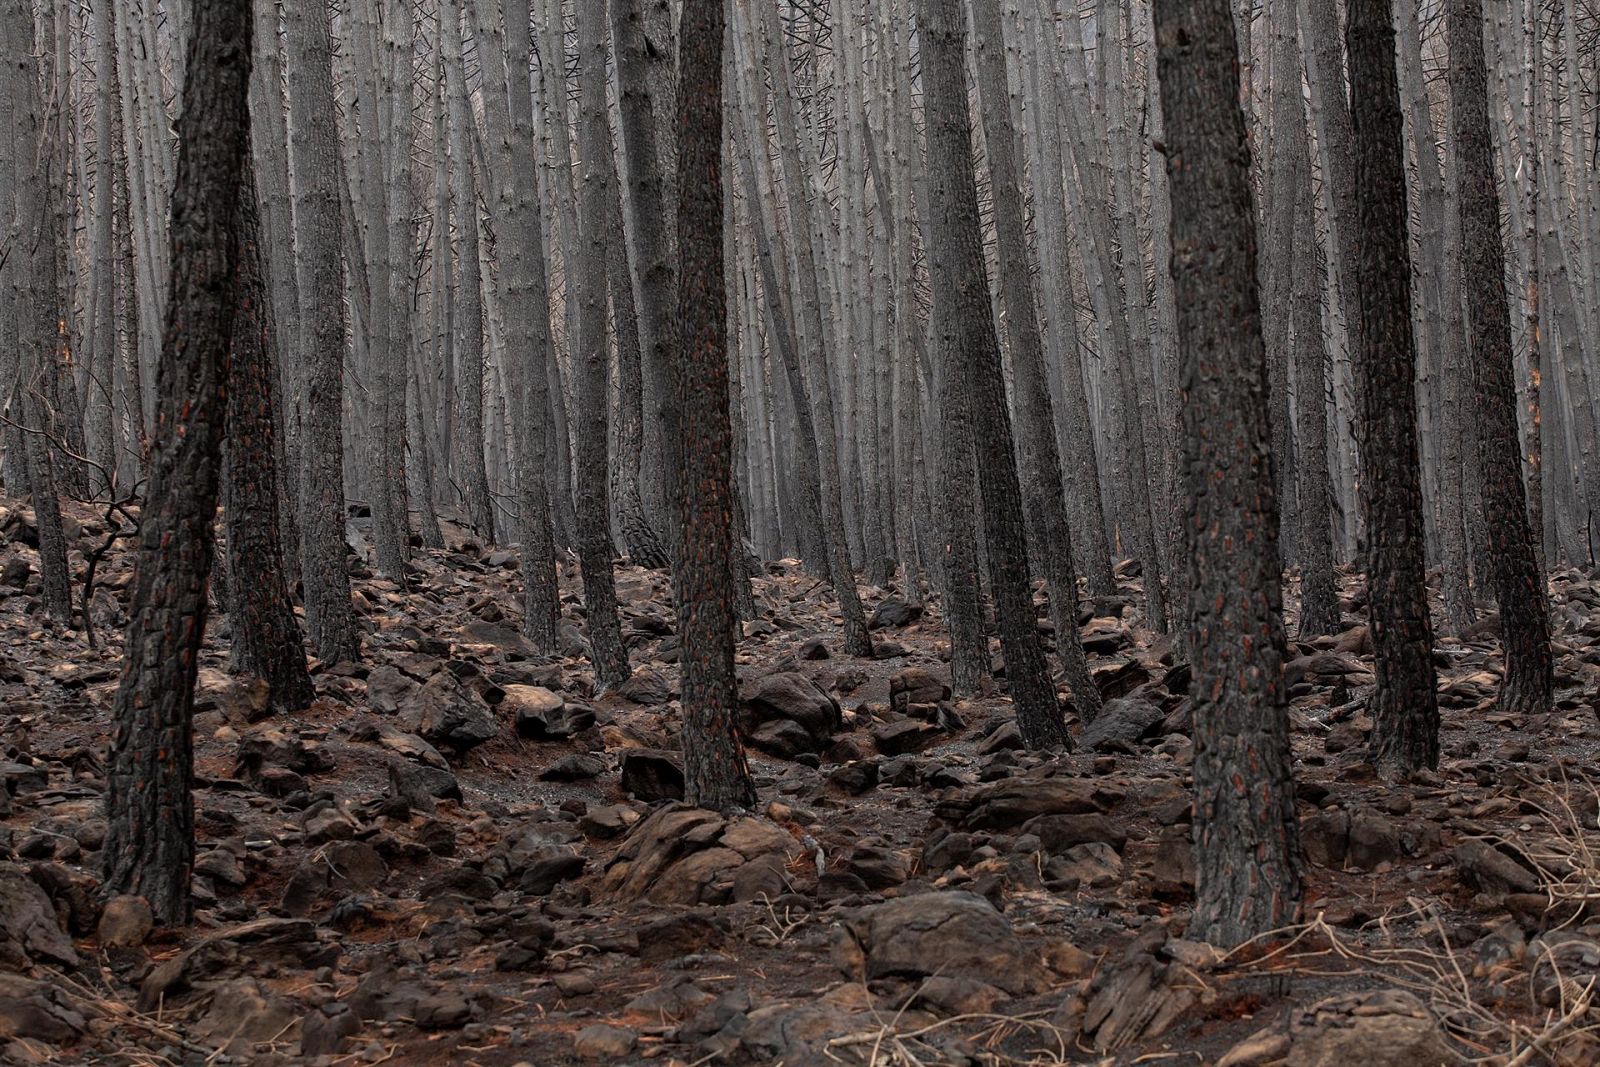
(1058, 833)
(1007, 737)
(410, 746)
(19, 779)
(1258, 1050)
(268, 746)
(1325, 836)
(125, 922)
(1563, 971)
(782, 738)
(1094, 864)
(1488, 870)
(534, 858)
(240, 700)
(1138, 997)
(917, 687)
(953, 934)
(791, 696)
(221, 865)
(1385, 1028)
(814, 648)
(419, 785)
(608, 822)
(29, 928)
(15, 572)
(324, 1030)
(1012, 802)
(444, 713)
(893, 612)
(1125, 720)
(355, 865)
(907, 735)
(264, 943)
(683, 855)
(574, 767)
(646, 686)
(539, 713)
(602, 1042)
(651, 775)
(39, 1011)
(677, 998)
(855, 777)
(1374, 839)
(445, 1009)
(243, 1014)
(878, 868)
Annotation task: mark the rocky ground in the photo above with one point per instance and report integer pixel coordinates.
(463, 855)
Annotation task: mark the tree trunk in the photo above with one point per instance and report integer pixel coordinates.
(1514, 569)
(149, 802)
(1247, 852)
(972, 360)
(716, 774)
(1405, 706)
(469, 315)
(266, 640)
(592, 358)
(527, 304)
(1041, 463)
(314, 178)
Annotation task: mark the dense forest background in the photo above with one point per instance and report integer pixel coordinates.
(1038, 501)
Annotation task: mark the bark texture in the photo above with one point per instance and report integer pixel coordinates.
(149, 848)
(716, 773)
(266, 641)
(972, 360)
(1513, 566)
(1246, 834)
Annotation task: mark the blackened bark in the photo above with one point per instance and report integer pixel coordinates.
(1513, 566)
(37, 307)
(150, 807)
(470, 442)
(973, 357)
(1041, 461)
(716, 774)
(1319, 592)
(647, 203)
(1247, 852)
(606, 650)
(266, 638)
(314, 181)
(1405, 705)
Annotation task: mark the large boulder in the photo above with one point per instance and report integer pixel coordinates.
(1384, 1028)
(39, 1011)
(953, 934)
(444, 713)
(684, 855)
(29, 929)
(1125, 721)
(1013, 801)
(791, 697)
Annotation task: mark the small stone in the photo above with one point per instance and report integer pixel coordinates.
(125, 922)
(602, 1042)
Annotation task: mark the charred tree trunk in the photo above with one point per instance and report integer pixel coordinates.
(314, 178)
(266, 639)
(1514, 568)
(972, 360)
(716, 774)
(1247, 851)
(149, 847)
(1405, 705)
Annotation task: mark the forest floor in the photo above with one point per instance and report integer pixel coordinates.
(462, 855)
